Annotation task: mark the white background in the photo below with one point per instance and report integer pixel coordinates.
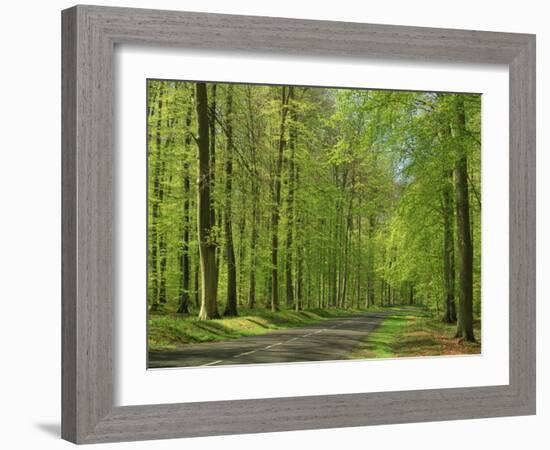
(134, 385)
(30, 225)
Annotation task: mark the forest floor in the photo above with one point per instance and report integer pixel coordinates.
(415, 334)
(168, 330)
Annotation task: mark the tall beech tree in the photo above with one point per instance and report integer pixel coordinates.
(214, 218)
(231, 306)
(252, 141)
(291, 187)
(276, 199)
(185, 259)
(448, 251)
(156, 114)
(465, 252)
(207, 245)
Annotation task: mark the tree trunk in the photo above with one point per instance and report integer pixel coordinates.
(332, 261)
(155, 209)
(231, 306)
(465, 253)
(370, 262)
(162, 260)
(290, 206)
(253, 243)
(255, 190)
(448, 253)
(215, 230)
(241, 258)
(164, 192)
(298, 302)
(276, 197)
(185, 262)
(347, 240)
(359, 265)
(207, 246)
(196, 281)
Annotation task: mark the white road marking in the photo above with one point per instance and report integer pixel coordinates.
(212, 363)
(245, 353)
(339, 324)
(273, 345)
(313, 332)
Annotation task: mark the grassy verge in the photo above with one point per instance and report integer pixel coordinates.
(169, 330)
(415, 334)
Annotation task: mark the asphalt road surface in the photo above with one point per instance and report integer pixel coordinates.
(328, 340)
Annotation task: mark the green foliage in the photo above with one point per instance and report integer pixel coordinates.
(363, 176)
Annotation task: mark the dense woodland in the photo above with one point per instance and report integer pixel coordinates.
(300, 197)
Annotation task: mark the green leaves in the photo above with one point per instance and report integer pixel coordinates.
(364, 210)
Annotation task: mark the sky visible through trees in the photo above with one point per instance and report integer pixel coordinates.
(277, 198)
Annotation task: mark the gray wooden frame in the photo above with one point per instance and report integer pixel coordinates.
(89, 36)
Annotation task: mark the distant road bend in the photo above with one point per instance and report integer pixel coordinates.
(327, 340)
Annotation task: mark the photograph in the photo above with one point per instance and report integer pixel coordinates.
(297, 223)
(264, 225)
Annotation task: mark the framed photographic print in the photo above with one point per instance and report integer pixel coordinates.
(278, 224)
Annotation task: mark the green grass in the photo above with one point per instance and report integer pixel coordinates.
(168, 330)
(415, 333)
(381, 342)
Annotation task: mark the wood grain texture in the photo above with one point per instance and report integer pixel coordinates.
(89, 36)
(68, 226)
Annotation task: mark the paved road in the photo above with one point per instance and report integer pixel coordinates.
(327, 340)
